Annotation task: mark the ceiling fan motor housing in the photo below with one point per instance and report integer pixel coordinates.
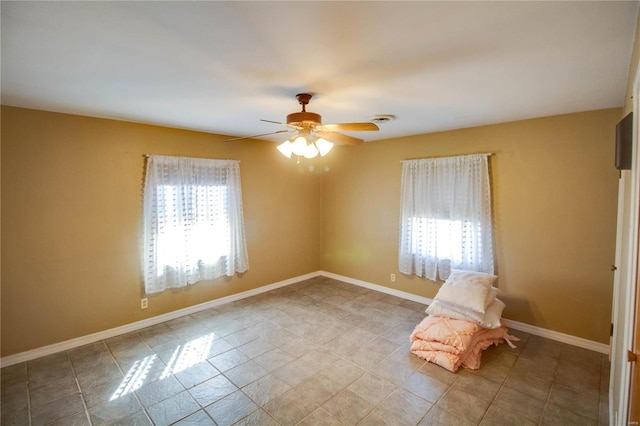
(310, 124)
(304, 119)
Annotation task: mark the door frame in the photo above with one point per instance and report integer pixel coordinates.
(625, 277)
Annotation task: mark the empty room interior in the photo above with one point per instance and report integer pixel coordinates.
(171, 254)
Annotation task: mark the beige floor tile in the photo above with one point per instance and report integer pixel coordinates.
(348, 407)
(554, 416)
(173, 409)
(479, 386)
(425, 386)
(379, 417)
(406, 406)
(231, 409)
(528, 384)
(290, 407)
(317, 352)
(438, 417)
(265, 389)
(573, 401)
(464, 405)
(497, 416)
(372, 388)
(519, 404)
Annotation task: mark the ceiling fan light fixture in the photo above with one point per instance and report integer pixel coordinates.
(324, 146)
(286, 148)
(299, 145)
(315, 138)
(311, 151)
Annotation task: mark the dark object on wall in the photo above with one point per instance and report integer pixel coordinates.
(624, 142)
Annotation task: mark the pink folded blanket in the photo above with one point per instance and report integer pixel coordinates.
(451, 343)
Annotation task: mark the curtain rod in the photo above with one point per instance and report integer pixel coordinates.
(231, 159)
(488, 154)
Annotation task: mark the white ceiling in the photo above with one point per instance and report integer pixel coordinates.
(220, 67)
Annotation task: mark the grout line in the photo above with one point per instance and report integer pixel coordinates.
(124, 376)
(83, 340)
(546, 402)
(26, 368)
(244, 308)
(75, 377)
(499, 389)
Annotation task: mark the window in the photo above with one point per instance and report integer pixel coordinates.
(445, 216)
(193, 224)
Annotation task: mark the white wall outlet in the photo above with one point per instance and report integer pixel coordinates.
(144, 303)
(393, 278)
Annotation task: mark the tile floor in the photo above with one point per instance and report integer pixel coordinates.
(319, 352)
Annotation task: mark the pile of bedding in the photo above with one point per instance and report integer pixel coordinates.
(463, 320)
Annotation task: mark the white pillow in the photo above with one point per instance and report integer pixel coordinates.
(491, 295)
(442, 309)
(494, 313)
(467, 289)
(491, 319)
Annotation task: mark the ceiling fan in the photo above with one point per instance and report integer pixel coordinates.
(312, 137)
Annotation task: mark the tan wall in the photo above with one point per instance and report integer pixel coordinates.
(71, 213)
(554, 191)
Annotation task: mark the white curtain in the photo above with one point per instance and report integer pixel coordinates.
(193, 223)
(445, 216)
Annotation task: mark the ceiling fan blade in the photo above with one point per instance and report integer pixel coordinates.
(257, 136)
(271, 121)
(348, 127)
(338, 137)
(284, 124)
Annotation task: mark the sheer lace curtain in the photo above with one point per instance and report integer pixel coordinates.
(446, 216)
(193, 223)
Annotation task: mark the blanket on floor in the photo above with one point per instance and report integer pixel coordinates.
(452, 343)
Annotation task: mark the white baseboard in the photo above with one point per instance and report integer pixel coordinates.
(138, 325)
(531, 329)
(376, 287)
(557, 336)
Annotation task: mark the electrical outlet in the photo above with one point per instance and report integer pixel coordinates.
(393, 278)
(144, 303)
